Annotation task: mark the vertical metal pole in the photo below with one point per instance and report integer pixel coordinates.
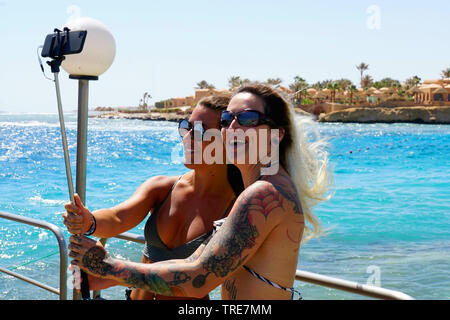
(83, 97)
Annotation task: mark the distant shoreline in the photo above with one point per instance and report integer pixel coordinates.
(413, 114)
(161, 116)
(169, 116)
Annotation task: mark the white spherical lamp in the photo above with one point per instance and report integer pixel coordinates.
(98, 51)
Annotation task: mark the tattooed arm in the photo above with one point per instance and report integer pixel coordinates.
(256, 212)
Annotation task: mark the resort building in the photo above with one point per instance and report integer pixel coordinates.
(175, 102)
(433, 92)
(189, 100)
(429, 93)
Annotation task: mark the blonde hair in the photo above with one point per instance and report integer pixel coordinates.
(306, 162)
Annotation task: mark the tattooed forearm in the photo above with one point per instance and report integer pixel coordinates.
(139, 276)
(98, 262)
(179, 278)
(199, 281)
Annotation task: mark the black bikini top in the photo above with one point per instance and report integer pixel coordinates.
(156, 250)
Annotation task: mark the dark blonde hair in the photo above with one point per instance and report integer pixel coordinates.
(218, 102)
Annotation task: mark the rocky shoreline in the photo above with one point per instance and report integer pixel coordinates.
(413, 114)
(168, 116)
(161, 116)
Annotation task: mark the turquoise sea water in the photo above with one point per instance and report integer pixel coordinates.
(388, 221)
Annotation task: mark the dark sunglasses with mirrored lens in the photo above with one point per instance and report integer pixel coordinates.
(185, 126)
(246, 118)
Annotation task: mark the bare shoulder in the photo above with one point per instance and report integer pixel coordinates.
(281, 185)
(262, 198)
(159, 182)
(157, 185)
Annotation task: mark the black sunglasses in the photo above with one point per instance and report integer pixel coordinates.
(185, 126)
(246, 118)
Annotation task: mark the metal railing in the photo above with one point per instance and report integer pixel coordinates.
(350, 286)
(62, 292)
(305, 276)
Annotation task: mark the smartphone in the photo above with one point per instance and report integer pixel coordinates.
(62, 43)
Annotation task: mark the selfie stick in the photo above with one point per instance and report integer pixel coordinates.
(96, 57)
(64, 139)
(55, 65)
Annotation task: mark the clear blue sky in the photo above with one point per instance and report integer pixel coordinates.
(166, 47)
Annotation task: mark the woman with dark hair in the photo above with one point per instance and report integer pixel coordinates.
(183, 208)
(254, 254)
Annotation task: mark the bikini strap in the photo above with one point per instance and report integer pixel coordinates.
(273, 284)
(171, 189)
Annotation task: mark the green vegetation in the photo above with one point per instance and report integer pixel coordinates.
(125, 110)
(339, 90)
(204, 85)
(167, 110)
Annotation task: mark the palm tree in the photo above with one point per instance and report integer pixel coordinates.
(321, 84)
(298, 84)
(445, 73)
(344, 83)
(412, 82)
(234, 82)
(204, 85)
(274, 82)
(362, 67)
(299, 87)
(366, 81)
(352, 89)
(143, 102)
(333, 87)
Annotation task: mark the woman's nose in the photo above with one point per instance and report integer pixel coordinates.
(188, 139)
(234, 124)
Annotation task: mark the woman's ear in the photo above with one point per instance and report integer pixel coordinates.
(282, 131)
(277, 140)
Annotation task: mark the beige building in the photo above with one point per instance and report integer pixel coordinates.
(178, 102)
(191, 100)
(433, 92)
(201, 93)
